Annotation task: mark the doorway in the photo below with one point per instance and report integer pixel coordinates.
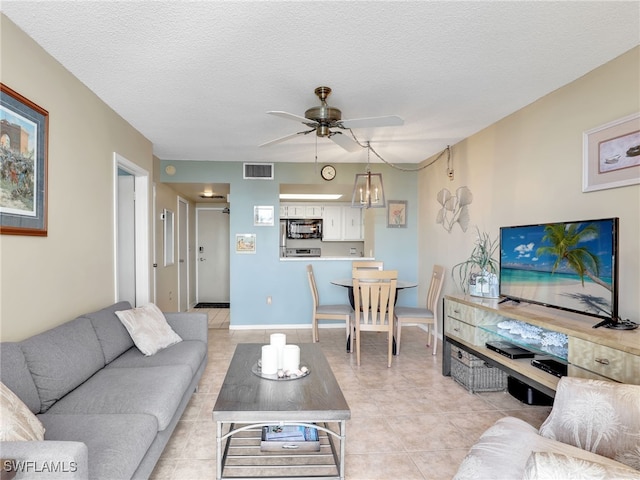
(212, 265)
(125, 247)
(131, 232)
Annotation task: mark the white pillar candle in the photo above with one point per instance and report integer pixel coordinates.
(269, 360)
(291, 358)
(279, 340)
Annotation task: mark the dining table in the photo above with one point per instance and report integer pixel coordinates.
(348, 284)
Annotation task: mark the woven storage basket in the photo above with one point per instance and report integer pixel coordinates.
(474, 374)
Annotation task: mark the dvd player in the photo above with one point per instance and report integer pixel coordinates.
(551, 366)
(509, 350)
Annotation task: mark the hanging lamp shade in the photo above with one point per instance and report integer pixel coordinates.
(368, 191)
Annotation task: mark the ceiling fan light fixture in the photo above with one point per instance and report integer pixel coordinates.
(323, 130)
(322, 118)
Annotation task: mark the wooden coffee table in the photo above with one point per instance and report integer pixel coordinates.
(247, 402)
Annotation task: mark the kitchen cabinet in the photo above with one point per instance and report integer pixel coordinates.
(332, 223)
(342, 223)
(352, 224)
(301, 211)
(313, 211)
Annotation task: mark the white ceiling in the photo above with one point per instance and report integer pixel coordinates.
(196, 78)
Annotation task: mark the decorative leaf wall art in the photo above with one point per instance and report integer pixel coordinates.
(455, 208)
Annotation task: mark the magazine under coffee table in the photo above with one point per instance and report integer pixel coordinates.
(247, 402)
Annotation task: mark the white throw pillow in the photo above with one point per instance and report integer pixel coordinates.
(148, 328)
(17, 422)
(598, 416)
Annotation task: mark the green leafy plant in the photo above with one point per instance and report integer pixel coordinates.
(480, 260)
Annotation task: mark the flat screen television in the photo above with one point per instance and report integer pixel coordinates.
(567, 265)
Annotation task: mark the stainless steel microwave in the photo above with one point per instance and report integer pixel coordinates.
(304, 228)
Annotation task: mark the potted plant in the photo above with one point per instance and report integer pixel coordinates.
(478, 275)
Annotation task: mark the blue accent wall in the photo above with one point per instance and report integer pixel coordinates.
(253, 277)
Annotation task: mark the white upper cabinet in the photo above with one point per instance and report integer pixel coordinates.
(352, 224)
(342, 223)
(301, 211)
(332, 223)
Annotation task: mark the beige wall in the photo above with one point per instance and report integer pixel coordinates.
(46, 281)
(527, 168)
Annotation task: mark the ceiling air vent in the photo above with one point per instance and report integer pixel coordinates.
(258, 171)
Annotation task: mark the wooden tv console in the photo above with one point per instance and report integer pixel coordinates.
(600, 353)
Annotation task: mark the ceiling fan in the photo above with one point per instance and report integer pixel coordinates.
(322, 118)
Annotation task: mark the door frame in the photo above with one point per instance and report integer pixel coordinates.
(141, 182)
(184, 263)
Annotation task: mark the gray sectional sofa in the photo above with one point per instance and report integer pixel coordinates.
(108, 410)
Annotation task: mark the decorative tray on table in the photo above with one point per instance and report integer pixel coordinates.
(281, 375)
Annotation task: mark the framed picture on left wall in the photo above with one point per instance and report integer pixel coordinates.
(23, 165)
(245, 243)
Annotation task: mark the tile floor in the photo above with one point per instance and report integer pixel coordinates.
(407, 422)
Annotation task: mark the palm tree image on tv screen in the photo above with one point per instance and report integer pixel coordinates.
(568, 265)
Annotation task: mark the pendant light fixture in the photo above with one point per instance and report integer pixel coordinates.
(368, 191)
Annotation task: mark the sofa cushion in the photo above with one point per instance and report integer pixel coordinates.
(552, 466)
(597, 416)
(116, 443)
(148, 328)
(62, 358)
(155, 391)
(187, 352)
(15, 374)
(113, 337)
(17, 422)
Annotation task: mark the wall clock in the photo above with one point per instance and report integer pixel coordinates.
(328, 172)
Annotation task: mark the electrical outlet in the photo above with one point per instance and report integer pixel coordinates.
(269, 300)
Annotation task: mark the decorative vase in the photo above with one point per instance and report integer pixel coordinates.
(484, 284)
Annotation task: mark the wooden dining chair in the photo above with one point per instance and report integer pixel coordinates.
(326, 312)
(423, 315)
(370, 264)
(374, 293)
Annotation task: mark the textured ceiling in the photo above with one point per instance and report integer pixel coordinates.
(196, 78)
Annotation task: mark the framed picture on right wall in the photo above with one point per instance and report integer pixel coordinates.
(611, 155)
(397, 214)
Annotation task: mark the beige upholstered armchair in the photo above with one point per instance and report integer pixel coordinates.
(593, 432)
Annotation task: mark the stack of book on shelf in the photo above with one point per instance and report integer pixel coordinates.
(292, 438)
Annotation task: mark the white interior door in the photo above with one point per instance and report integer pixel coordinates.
(212, 264)
(126, 237)
(183, 254)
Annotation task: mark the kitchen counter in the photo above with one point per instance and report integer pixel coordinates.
(322, 259)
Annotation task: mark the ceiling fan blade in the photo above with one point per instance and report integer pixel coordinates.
(345, 142)
(387, 121)
(285, 138)
(294, 117)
